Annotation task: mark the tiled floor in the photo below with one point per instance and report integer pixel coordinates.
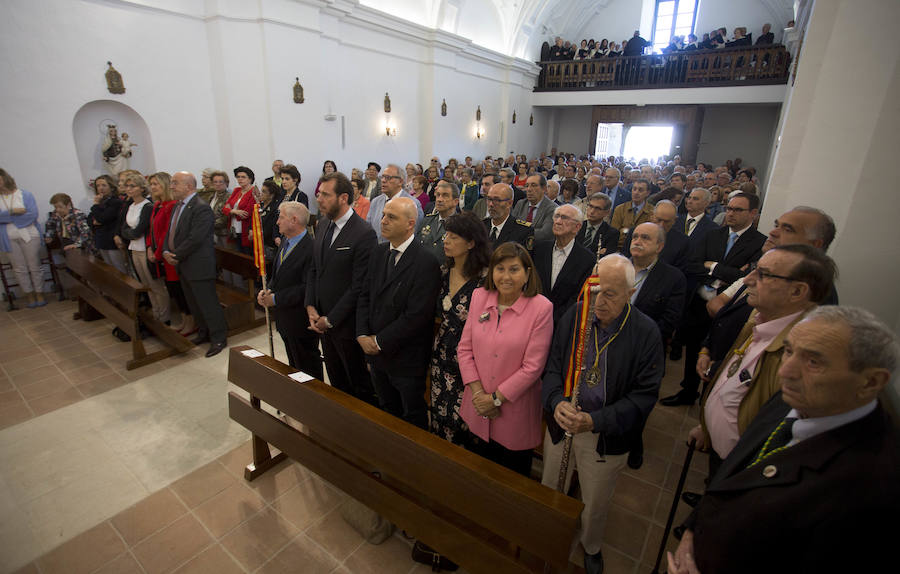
(100, 474)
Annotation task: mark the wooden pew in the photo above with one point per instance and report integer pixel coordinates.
(239, 306)
(479, 514)
(116, 296)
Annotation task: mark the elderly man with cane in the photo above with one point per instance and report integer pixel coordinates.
(601, 381)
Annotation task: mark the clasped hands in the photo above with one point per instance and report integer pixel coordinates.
(265, 298)
(682, 561)
(484, 402)
(572, 419)
(317, 323)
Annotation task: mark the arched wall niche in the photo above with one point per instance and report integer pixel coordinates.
(88, 129)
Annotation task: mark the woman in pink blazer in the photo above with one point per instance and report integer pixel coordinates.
(501, 355)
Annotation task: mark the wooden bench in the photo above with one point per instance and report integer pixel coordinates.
(239, 305)
(102, 288)
(479, 514)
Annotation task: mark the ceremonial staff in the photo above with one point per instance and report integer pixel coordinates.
(580, 341)
(259, 258)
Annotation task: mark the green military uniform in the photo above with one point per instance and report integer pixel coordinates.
(431, 234)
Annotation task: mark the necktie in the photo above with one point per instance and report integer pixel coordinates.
(493, 234)
(777, 441)
(174, 225)
(732, 237)
(440, 228)
(392, 262)
(589, 236)
(530, 216)
(689, 226)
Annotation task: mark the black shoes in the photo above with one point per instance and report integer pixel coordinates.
(675, 353)
(593, 563)
(635, 459)
(682, 397)
(692, 499)
(215, 349)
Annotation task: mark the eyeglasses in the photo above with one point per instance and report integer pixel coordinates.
(730, 209)
(563, 217)
(385, 176)
(763, 275)
(598, 207)
(497, 199)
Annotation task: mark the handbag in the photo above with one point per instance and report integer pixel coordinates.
(426, 555)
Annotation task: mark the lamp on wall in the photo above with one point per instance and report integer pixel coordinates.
(514, 116)
(390, 128)
(479, 131)
(531, 120)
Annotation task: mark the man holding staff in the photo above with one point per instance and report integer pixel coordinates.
(601, 382)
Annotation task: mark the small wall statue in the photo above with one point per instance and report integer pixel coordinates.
(117, 151)
(298, 92)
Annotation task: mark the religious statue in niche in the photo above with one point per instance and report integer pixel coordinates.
(298, 92)
(514, 116)
(444, 108)
(387, 103)
(114, 80)
(117, 151)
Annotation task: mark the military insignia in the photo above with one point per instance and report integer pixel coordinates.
(522, 222)
(529, 243)
(426, 230)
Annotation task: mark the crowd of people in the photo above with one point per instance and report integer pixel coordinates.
(559, 284)
(590, 49)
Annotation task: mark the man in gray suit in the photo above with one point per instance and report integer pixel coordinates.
(536, 209)
(431, 231)
(189, 248)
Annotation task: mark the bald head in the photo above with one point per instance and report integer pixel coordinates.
(664, 214)
(183, 184)
(398, 221)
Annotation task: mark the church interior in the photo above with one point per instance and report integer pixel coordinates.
(113, 470)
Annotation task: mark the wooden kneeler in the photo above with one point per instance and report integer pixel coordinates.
(480, 515)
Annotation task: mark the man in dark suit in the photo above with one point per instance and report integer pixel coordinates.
(285, 292)
(614, 189)
(695, 223)
(676, 251)
(501, 227)
(596, 232)
(659, 286)
(395, 317)
(563, 264)
(813, 480)
(536, 208)
(726, 254)
(189, 248)
(337, 276)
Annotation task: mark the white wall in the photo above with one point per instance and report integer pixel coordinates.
(574, 130)
(213, 82)
(746, 132)
(615, 22)
(751, 14)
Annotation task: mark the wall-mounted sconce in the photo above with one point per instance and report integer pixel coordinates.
(514, 116)
(444, 108)
(114, 80)
(390, 128)
(298, 92)
(531, 120)
(479, 132)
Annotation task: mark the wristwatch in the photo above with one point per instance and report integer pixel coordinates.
(497, 401)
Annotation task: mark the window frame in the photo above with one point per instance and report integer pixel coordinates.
(674, 20)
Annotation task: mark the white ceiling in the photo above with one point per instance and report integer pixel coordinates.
(525, 24)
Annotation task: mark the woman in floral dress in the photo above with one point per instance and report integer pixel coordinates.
(468, 254)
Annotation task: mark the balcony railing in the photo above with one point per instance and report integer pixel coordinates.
(722, 67)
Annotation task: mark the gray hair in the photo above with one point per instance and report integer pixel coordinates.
(553, 183)
(601, 196)
(707, 194)
(615, 169)
(666, 202)
(579, 215)
(871, 344)
(619, 260)
(824, 228)
(508, 171)
(295, 208)
(400, 172)
(207, 172)
(469, 171)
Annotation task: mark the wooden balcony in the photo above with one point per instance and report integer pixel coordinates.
(707, 68)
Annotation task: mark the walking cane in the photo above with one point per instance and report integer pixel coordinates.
(684, 470)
